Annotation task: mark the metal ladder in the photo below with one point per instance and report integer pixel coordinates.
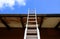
(31, 30)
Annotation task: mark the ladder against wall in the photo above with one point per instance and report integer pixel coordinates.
(31, 30)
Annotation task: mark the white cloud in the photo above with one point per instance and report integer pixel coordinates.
(21, 2)
(11, 3)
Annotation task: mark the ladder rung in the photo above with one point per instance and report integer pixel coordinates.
(32, 33)
(31, 30)
(32, 12)
(31, 25)
(31, 36)
(31, 21)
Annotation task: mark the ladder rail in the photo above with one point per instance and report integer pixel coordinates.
(38, 33)
(27, 18)
(25, 33)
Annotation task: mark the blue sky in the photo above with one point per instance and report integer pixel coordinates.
(42, 6)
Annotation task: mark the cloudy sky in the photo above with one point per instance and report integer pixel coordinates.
(21, 6)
